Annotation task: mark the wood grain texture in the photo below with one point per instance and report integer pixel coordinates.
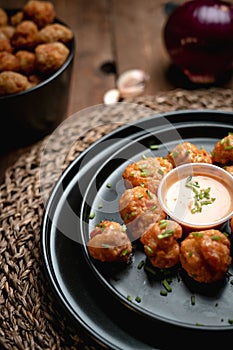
(139, 41)
(90, 21)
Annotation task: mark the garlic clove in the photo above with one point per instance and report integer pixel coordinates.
(132, 82)
(111, 96)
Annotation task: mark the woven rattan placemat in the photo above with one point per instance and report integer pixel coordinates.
(29, 316)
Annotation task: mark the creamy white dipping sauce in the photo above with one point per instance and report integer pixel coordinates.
(199, 199)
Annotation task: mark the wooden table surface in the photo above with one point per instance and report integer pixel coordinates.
(124, 34)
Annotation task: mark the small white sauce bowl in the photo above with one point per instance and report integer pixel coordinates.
(197, 195)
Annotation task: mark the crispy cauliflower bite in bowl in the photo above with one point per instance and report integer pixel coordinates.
(36, 59)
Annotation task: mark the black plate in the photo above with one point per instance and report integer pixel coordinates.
(94, 295)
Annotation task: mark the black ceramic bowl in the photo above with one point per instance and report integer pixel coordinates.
(28, 116)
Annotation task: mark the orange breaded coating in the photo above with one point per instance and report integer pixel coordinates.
(187, 152)
(26, 61)
(41, 12)
(109, 242)
(12, 82)
(3, 17)
(51, 56)
(16, 18)
(25, 35)
(8, 31)
(229, 169)
(160, 243)
(34, 79)
(5, 44)
(148, 172)
(205, 255)
(8, 61)
(139, 208)
(223, 151)
(54, 32)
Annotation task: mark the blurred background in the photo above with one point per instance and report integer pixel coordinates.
(113, 36)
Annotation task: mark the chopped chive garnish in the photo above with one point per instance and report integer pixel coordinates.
(216, 238)
(123, 228)
(163, 223)
(167, 286)
(149, 250)
(145, 173)
(165, 234)
(102, 226)
(150, 270)
(124, 252)
(174, 154)
(144, 157)
(193, 300)
(141, 264)
(160, 172)
(92, 215)
(129, 298)
(154, 147)
(202, 196)
(138, 299)
(100, 206)
(143, 166)
(197, 234)
(230, 321)
(149, 194)
(163, 292)
(108, 185)
(154, 207)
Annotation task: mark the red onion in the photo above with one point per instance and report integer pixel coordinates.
(198, 36)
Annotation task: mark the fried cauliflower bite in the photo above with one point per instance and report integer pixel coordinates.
(139, 208)
(26, 61)
(160, 243)
(50, 56)
(16, 18)
(12, 82)
(188, 153)
(229, 169)
(109, 242)
(205, 255)
(223, 151)
(5, 44)
(3, 17)
(8, 62)
(148, 171)
(8, 31)
(25, 35)
(41, 12)
(54, 32)
(34, 79)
